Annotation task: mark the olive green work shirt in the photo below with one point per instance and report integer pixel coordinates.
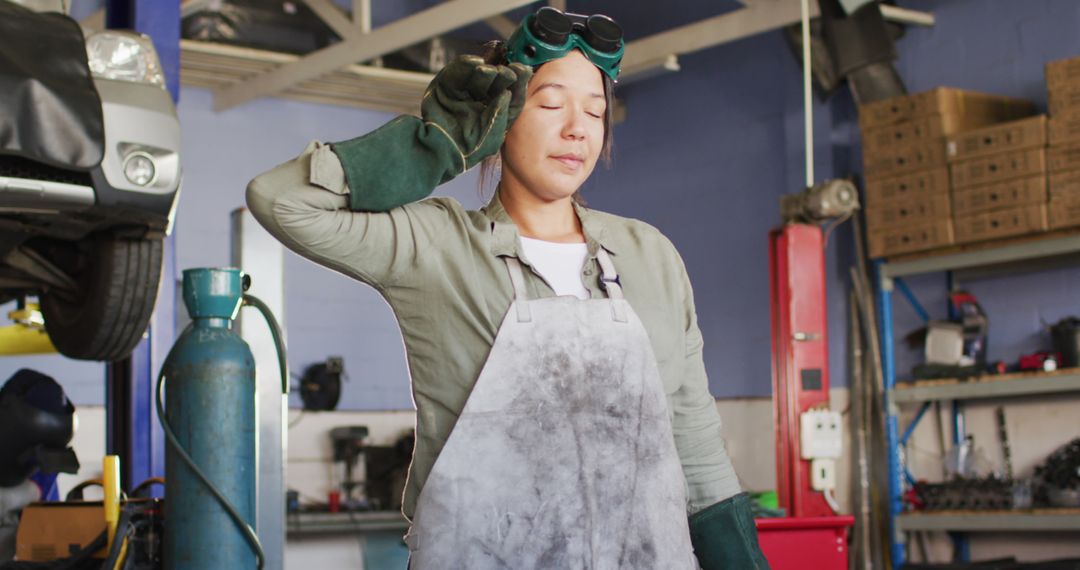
(440, 268)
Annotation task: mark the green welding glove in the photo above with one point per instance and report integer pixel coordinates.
(725, 538)
(464, 116)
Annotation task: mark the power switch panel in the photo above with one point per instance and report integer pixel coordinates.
(821, 434)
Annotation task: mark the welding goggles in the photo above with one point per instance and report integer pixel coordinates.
(550, 34)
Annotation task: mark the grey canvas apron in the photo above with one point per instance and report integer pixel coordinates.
(563, 456)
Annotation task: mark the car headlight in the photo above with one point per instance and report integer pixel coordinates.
(124, 56)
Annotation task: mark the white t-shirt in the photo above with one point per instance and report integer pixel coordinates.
(559, 264)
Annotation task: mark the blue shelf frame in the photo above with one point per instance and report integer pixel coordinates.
(1060, 249)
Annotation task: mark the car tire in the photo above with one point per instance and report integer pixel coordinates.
(117, 292)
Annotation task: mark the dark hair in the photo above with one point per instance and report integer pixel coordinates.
(494, 53)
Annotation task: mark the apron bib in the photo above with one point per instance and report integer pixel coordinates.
(563, 456)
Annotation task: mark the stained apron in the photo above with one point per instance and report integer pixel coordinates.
(563, 456)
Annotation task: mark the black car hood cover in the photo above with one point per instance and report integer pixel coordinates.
(50, 110)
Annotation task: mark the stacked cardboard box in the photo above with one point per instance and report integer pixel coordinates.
(1063, 156)
(998, 177)
(908, 204)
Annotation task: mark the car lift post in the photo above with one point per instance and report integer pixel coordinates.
(133, 431)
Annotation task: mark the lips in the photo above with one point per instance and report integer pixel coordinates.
(570, 160)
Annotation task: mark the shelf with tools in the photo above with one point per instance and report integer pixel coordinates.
(995, 386)
(988, 521)
(973, 261)
(1049, 249)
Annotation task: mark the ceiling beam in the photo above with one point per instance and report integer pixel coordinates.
(396, 35)
(502, 25)
(649, 69)
(905, 16)
(334, 17)
(756, 18)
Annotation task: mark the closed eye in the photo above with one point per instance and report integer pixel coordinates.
(550, 107)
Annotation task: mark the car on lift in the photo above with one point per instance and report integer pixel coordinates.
(89, 177)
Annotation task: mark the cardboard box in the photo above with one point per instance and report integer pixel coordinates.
(998, 167)
(910, 238)
(1062, 72)
(1064, 185)
(881, 140)
(913, 185)
(1064, 100)
(1004, 137)
(942, 101)
(1064, 212)
(908, 211)
(1062, 158)
(1001, 223)
(1008, 194)
(904, 159)
(1064, 129)
(48, 531)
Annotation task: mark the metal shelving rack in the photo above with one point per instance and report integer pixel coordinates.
(1044, 252)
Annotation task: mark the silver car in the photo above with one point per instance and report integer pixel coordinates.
(89, 178)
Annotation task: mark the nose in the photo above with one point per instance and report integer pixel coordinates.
(574, 127)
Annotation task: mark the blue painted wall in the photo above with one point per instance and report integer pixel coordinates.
(704, 155)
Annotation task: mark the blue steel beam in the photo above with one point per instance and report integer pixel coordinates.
(888, 366)
(915, 304)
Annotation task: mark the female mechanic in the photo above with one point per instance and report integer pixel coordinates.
(563, 413)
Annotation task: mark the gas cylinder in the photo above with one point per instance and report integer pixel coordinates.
(210, 404)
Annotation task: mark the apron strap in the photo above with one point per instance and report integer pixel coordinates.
(609, 282)
(520, 295)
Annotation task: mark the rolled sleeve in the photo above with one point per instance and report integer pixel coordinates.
(304, 203)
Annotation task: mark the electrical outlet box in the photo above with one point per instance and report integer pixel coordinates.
(821, 434)
(822, 474)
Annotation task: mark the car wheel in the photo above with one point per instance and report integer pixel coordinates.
(117, 291)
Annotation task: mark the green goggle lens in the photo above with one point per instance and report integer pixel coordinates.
(551, 34)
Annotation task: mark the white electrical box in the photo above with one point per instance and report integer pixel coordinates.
(822, 474)
(821, 434)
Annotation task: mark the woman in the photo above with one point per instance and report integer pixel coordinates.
(563, 413)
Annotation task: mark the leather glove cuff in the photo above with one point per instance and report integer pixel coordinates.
(401, 162)
(724, 536)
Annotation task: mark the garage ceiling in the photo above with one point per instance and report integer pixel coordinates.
(656, 37)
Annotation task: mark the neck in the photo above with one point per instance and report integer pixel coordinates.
(548, 220)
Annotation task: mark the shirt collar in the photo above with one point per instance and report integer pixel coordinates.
(504, 232)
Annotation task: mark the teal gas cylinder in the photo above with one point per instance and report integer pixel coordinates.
(210, 405)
